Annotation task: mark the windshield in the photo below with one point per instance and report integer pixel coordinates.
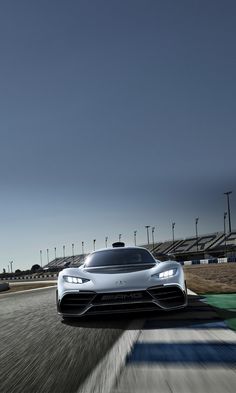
(119, 257)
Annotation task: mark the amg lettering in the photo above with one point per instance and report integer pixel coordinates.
(123, 296)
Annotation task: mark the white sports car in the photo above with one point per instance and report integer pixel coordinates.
(118, 280)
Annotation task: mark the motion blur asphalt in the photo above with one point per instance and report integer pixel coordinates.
(40, 353)
(177, 352)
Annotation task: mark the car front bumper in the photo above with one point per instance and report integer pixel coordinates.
(162, 297)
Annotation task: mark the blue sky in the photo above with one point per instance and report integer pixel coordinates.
(114, 115)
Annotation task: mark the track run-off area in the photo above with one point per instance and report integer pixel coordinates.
(189, 350)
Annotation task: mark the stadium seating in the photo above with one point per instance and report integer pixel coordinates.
(213, 245)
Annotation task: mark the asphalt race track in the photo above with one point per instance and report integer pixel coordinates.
(190, 349)
(39, 353)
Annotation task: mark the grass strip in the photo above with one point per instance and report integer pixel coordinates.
(22, 287)
(226, 307)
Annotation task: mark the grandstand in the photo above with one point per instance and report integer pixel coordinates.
(214, 245)
(61, 263)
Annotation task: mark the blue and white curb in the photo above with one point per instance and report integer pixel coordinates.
(181, 361)
(181, 356)
(208, 261)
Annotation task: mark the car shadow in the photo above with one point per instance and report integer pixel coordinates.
(197, 314)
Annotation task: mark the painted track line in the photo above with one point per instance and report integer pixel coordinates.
(105, 374)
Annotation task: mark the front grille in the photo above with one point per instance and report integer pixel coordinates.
(116, 308)
(75, 303)
(121, 297)
(168, 296)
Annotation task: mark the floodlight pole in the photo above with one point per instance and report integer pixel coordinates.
(173, 233)
(225, 215)
(106, 238)
(135, 234)
(147, 227)
(11, 262)
(48, 255)
(55, 252)
(120, 237)
(73, 248)
(94, 242)
(82, 247)
(196, 224)
(153, 230)
(228, 205)
(41, 258)
(64, 253)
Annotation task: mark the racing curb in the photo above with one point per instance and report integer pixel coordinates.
(103, 377)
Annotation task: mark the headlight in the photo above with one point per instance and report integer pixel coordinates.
(75, 280)
(166, 274)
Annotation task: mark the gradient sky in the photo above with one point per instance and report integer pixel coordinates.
(114, 115)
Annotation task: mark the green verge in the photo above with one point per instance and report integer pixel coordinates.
(226, 307)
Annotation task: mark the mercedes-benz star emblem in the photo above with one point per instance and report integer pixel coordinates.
(121, 283)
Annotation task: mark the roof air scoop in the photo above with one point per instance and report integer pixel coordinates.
(118, 244)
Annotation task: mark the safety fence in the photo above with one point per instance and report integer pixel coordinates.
(209, 261)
